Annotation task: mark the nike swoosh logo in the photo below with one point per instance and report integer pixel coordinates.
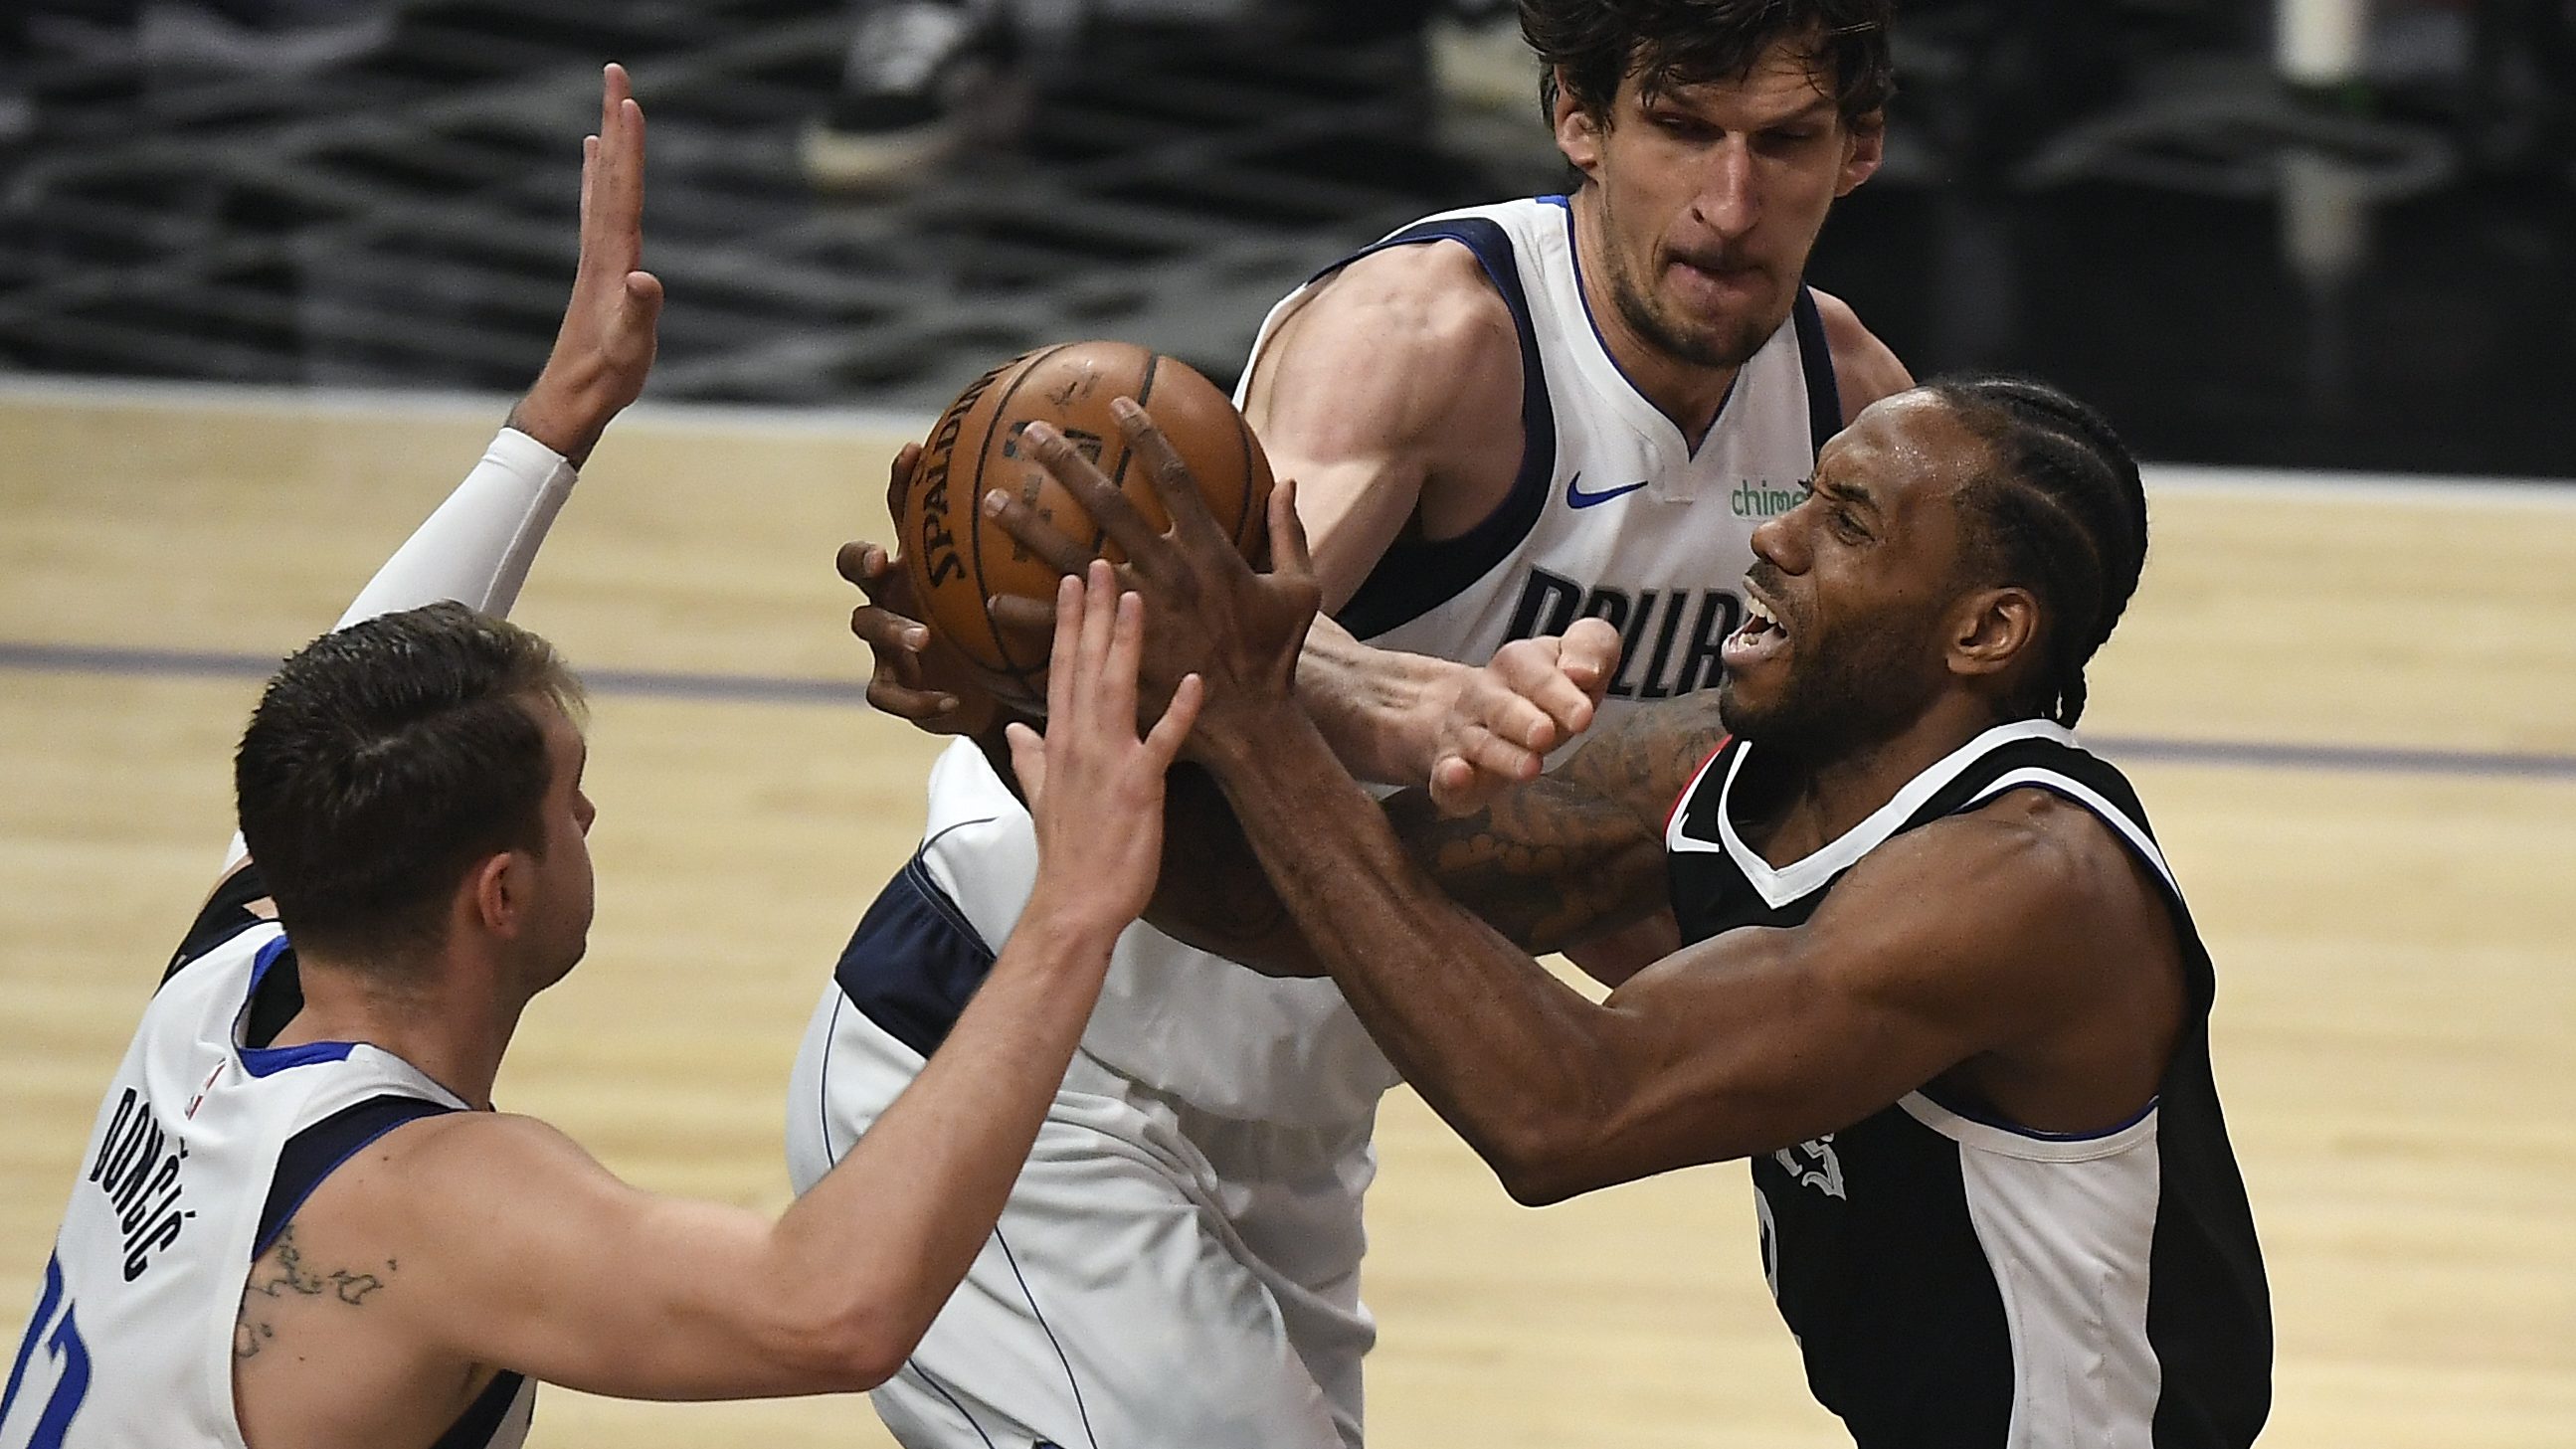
(1575, 497)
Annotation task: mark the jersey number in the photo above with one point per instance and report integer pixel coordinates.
(64, 1346)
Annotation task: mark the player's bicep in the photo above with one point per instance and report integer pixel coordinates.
(526, 1253)
(1382, 373)
(1938, 947)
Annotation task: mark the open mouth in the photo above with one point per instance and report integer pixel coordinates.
(1759, 637)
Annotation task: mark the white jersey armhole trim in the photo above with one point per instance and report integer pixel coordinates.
(2025, 1145)
(2091, 800)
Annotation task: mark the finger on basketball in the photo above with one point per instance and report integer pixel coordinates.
(1171, 477)
(1035, 534)
(899, 479)
(905, 703)
(1109, 508)
(861, 562)
(888, 632)
(1288, 551)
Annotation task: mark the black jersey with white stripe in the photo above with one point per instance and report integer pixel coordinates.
(1956, 1281)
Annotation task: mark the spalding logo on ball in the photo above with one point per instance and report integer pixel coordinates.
(958, 558)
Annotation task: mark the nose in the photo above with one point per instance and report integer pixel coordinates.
(1729, 203)
(1777, 543)
(583, 812)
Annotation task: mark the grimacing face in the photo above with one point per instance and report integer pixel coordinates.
(1711, 197)
(1850, 593)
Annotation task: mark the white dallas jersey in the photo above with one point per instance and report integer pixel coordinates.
(202, 1151)
(1613, 514)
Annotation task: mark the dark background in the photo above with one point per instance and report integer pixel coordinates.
(2120, 195)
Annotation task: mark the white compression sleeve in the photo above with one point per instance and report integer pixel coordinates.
(477, 547)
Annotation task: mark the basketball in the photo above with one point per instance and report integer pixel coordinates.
(957, 558)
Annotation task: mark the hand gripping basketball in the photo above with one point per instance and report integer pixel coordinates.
(917, 678)
(1208, 611)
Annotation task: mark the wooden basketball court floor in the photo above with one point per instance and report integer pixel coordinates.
(2350, 706)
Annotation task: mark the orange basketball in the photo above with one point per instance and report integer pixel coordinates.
(958, 558)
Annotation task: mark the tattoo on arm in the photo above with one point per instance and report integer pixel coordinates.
(1579, 850)
(281, 1274)
(1558, 860)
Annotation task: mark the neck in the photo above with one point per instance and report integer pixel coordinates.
(1806, 800)
(451, 1033)
(1688, 393)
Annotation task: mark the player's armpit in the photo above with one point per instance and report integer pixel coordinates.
(1971, 939)
(518, 1249)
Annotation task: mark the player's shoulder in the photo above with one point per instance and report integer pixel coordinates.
(2037, 852)
(1428, 301)
(1865, 368)
(443, 1168)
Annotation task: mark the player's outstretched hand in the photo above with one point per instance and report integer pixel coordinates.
(1535, 695)
(1209, 612)
(918, 678)
(604, 350)
(1095, 788)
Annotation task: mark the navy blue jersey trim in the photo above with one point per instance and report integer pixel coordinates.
(316, 1152)
(1415, 576)
(1816, 356)
(475, 1427)
(225, 914)
(941, 1390)
(1071, 1381)
(914, 961)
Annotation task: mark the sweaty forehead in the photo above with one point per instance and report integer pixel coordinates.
(1904, 451)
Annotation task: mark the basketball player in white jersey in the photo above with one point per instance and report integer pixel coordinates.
(1939, 985)
(1501, 420)
(299, 1223)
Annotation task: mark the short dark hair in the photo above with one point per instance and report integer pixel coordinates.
(2062, 512)
(383, 761)
(1596, 44)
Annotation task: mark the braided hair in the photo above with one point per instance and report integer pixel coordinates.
(2062, 513)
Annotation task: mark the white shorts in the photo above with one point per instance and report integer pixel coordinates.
(1160, 1277)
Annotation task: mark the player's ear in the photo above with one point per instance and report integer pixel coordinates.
(1578, 131)
(1992, 630)
(496, 891)
(1864, 146)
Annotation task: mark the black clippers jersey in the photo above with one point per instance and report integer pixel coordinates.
(1954, 1280)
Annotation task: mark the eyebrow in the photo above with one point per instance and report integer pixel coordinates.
(1848, 493)
(1676, 98)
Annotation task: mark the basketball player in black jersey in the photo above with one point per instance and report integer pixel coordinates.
(1938, 985)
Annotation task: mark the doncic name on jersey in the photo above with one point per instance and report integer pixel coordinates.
(138, 1168)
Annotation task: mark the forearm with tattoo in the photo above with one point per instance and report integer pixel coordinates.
(1557, 861)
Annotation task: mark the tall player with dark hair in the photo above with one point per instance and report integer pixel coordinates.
(1501, 420)
(300, 1224)
(1939, 985)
